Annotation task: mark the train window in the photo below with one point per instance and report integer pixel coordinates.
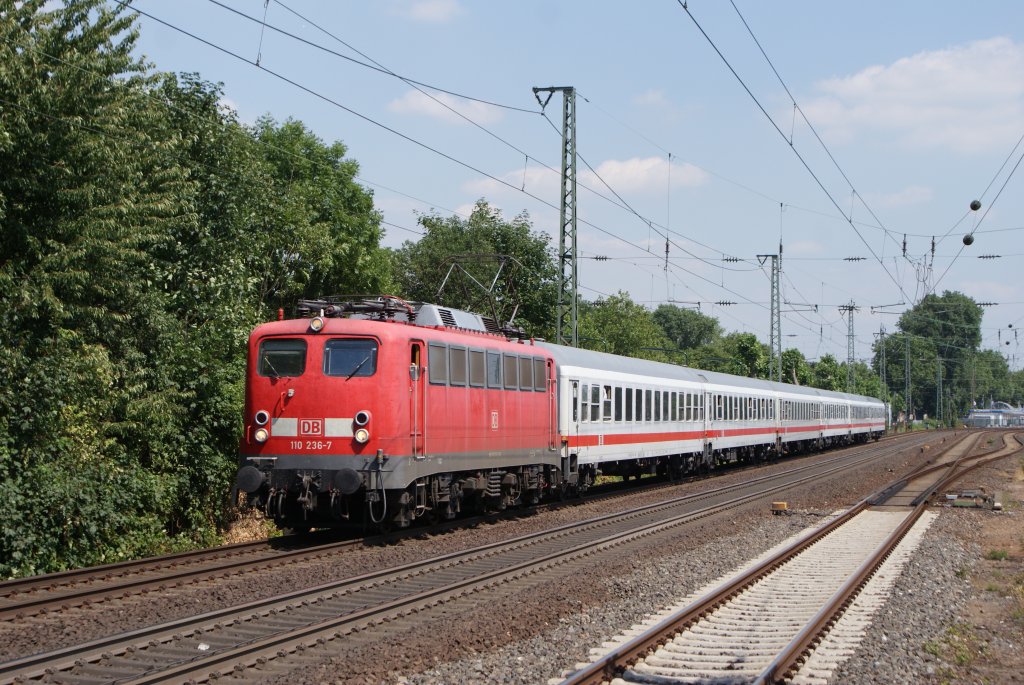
(618, 404)
(282, 357)
(629, 404)
(657, 406)
(675, 406)
(525, 373)
(350, 357)
(511, 371)
(493, 369)
(586, 403)
(595, 403)
(687, 406)
(664, 405)
(639, 404)
(647, 405)
(575, 402)
(540, 375)
(457, 365)
(607, 397)
(477, 368)
(437, 363)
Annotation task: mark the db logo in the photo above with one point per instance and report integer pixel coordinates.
(311, 427)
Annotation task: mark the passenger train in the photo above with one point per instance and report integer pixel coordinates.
(379, 411)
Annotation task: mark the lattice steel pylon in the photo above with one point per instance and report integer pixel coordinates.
(775, 328)
(568, 310)
(849, 309)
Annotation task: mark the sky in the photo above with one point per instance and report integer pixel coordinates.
(724, 128)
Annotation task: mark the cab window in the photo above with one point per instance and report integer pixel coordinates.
(350, 357)
(282, 357)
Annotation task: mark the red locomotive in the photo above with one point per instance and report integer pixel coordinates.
(380, 411)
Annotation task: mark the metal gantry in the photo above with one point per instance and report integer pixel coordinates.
(849, 309)
(568, 310)
(775, 327)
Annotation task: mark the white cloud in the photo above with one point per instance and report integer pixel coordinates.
(429, 11)
(536, 180)
(650, 98)
(649, 174)
(417, 103)
(968, 97)
(625, 176)
(908, 197)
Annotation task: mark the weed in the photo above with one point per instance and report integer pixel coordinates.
(992, 587)
(997, 555)
(962, 573)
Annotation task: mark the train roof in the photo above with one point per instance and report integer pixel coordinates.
(572, 356)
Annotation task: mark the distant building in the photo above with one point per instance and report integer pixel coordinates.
(997, 414)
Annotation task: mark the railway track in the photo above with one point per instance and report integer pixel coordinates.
(262, 633)
(763, 625)
(25, 597)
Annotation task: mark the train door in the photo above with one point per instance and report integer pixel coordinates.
(417, 400)
(552, 387)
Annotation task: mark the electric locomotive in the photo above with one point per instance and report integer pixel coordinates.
(380, 411)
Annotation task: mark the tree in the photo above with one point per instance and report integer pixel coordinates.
(620, 326)
(322, 231)
(827, 374)
(139, 221)
(795, 368)
(89, 192)
(686, 328)
(528, 281)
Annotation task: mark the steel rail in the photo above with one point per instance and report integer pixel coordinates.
(37, 665)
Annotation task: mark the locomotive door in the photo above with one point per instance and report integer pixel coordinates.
(417, 400)
(552, 388)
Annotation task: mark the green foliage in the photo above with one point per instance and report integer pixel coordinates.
(529, 279)
(144, 231)
(687, 329)
(620, 326)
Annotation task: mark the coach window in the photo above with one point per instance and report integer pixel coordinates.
(657, 405)
(477, 368)
(606, 396)
(664, 405)
(639, 404)
(525, 373)
(282, 357)
(511, 371)
(595, 403)
(585, 414)
(540, 375)
(437, 363)
(618, 403)
(457, 365)
(648, 405)
(686, 406)
(575, 402)
(493, 369)
(675, 406)
(629, 404)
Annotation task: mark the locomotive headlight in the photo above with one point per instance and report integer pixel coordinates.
(362, 436)
(362, 417)
(261, 435)
(316, 324)
(261, 417)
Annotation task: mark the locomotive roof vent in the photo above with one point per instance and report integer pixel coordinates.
(432, 315)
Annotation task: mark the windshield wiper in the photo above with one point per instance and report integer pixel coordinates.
(266, 360)
(359, 366)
